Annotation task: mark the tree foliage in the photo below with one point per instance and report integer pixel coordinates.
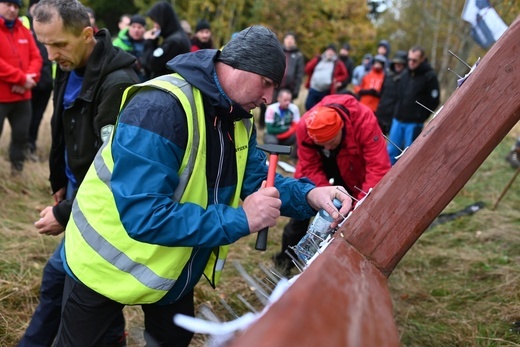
(435, 24)
(438, 27)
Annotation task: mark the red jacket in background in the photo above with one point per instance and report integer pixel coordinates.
(363, 159)
(370, 89)
(339, 74)
(19, 56)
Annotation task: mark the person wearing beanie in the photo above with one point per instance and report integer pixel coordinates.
(293, 76)
(326, 74)
(20, 63)
(369, 91)
(157, 53)
(131, 40)
(339, 143)
(186, 180)
(202, 37)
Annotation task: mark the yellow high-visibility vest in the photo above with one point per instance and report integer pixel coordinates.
(99, 250)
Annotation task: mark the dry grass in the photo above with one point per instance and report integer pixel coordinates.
(458, 286)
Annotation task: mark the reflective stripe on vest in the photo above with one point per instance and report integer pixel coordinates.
(98, 247)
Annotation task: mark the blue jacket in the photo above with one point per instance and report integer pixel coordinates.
(148, 148)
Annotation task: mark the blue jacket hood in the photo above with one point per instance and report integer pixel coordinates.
(198, 68)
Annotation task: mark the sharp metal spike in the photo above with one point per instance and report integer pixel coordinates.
(206, 312)
(260, 293)
(462, 61)
(228, 308)
(343, 190)
(426, 108)
(392, 142)
(453, 72)
(247, 304)
(269, 273)
(296, 262)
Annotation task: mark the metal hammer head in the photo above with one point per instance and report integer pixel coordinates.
(275, 149)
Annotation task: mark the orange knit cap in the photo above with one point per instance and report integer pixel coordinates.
(323, 123)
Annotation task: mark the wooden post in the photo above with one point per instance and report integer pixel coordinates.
(341, 299)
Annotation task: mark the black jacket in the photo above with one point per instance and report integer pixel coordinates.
(294, 71)
(419, 85)
(174, 40)
(77, 130)
(386, 107)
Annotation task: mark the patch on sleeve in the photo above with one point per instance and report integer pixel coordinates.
(158, 52)
(106, 131)
(435, 93)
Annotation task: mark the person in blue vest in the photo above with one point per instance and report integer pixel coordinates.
(179, 180)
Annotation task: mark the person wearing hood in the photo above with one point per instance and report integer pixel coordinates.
(385, 108)
(383, 48)
(174, 39)
(417, 94)
(186, 180)
(202, 37)
(20, 70)
(89, 84)
(369, 91)
(326, 74)
(362, 69)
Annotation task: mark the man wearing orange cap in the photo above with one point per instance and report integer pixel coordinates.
(340, 143)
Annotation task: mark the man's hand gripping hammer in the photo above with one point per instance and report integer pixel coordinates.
(274, 151)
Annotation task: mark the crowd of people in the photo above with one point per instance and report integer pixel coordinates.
(137, 116)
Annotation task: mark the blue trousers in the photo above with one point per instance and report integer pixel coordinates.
(44, 324)
(313, 97)
(401, 135)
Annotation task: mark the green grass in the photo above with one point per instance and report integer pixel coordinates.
(457, 286)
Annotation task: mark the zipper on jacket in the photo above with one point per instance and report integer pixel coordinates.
(188, 274)
(220, 161)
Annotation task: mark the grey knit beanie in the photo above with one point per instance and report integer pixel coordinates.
(256, 49)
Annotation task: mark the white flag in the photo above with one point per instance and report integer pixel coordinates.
(487, 26)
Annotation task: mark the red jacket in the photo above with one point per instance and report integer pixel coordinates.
(370, 88)
(19, 56)
(339, 74)
(363, 159)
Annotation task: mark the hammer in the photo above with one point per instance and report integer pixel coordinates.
(274, 151)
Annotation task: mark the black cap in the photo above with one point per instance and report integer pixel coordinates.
(331, 46)
(202, 24)
(256, 49)
(137, 18)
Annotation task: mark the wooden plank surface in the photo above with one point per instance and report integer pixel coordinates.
(344, 302)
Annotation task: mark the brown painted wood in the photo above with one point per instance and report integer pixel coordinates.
(341, 299)
(344, 302)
